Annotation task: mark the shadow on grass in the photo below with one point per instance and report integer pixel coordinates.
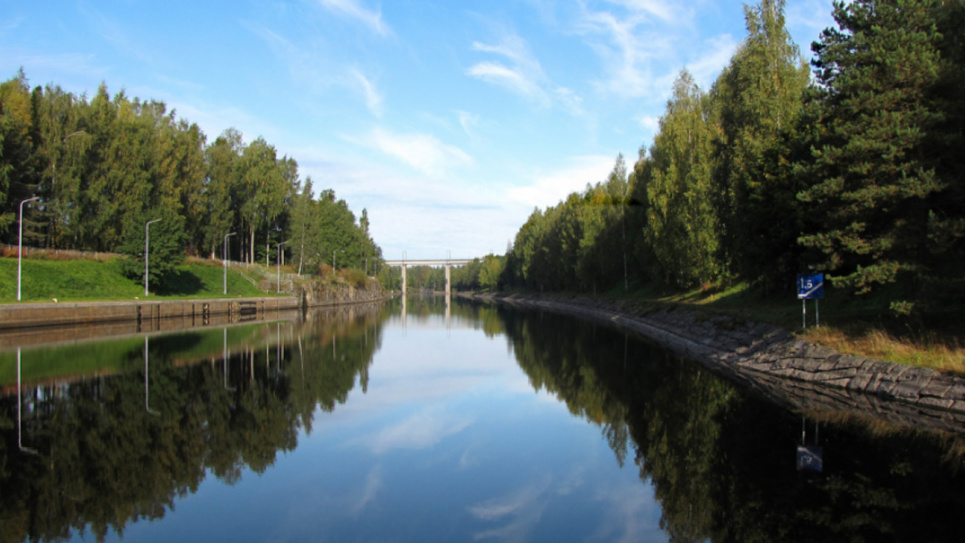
(180, 283)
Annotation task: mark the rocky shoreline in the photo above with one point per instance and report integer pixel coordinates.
(788, 370)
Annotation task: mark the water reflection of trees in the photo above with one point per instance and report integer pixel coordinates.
(105, 460)
(723, 463)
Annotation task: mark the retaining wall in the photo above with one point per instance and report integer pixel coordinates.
(786, 369)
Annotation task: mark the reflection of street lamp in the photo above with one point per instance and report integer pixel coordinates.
(224, 360)
(224, 260)
(147, 237)
(278, 267)
(147, 391)
(20, 243)
(19, 409)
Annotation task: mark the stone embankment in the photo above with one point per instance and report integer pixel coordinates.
(784, 368)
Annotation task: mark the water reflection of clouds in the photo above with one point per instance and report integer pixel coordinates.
(420, 431)
(519, 511)
(447, 409)
(631, 514)
(373, 483)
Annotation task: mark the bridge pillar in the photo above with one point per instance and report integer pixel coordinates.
(403, 280)
(448, 280)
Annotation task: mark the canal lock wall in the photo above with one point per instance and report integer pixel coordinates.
(40, 323)
(792, 372)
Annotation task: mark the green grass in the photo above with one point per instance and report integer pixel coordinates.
(89, 280)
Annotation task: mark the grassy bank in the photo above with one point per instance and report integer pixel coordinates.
(92, 280)
(848, 324)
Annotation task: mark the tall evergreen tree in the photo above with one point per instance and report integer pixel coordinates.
(872, 171)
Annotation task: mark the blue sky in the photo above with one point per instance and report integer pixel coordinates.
(449, 121)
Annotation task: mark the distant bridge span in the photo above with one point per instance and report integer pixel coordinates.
(447, 262)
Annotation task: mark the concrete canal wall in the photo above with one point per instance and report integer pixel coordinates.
(18, 316)
(32, 323)
(784, 368)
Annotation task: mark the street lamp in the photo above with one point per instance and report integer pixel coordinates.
(278, 267)
(20, 243)
(147, 237)
(224, 261)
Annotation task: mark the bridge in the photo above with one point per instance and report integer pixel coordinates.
(447, 262)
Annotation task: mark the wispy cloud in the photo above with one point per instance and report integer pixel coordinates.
(716, 54)
(354, 10)
(468, 122)
(420, 431)
(117, 35)
(373, 99)
(313, 71)
(423, 152)
(661, 9)
(519, 510)
(518, 71)
(549, 188)
(373, 483)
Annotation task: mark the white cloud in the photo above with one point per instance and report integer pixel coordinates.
(353, 10)
(650, 123)
(521, 73)
(468, 122)
(626, 50)
(549, 188)
(520, 509)
(717, 53)
(424, 152)
(372, 97)
(660, 9)
(524, 75)
(420, 431)
(512, 79)
(373, 483)
(312, 70)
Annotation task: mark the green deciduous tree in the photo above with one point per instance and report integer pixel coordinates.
(682, 228)
(757, 100)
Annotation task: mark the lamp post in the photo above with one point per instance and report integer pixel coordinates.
(278, 267)
(20, 244)
(224, 261)
(147, 238)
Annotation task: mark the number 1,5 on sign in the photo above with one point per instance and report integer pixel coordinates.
(810, 287)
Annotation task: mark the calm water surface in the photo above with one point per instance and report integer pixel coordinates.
(439, 423)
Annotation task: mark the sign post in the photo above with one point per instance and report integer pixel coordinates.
(810, 287)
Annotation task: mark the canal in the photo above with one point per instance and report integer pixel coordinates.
(440, 422)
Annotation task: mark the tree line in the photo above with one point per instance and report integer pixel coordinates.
(852, 168)
(103, 167)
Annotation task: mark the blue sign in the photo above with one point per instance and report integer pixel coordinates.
(810, 287)
(810, 458)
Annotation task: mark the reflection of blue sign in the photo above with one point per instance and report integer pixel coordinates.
(810, 286)
(810, 458)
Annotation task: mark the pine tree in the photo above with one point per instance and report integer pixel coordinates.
(872, 172)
